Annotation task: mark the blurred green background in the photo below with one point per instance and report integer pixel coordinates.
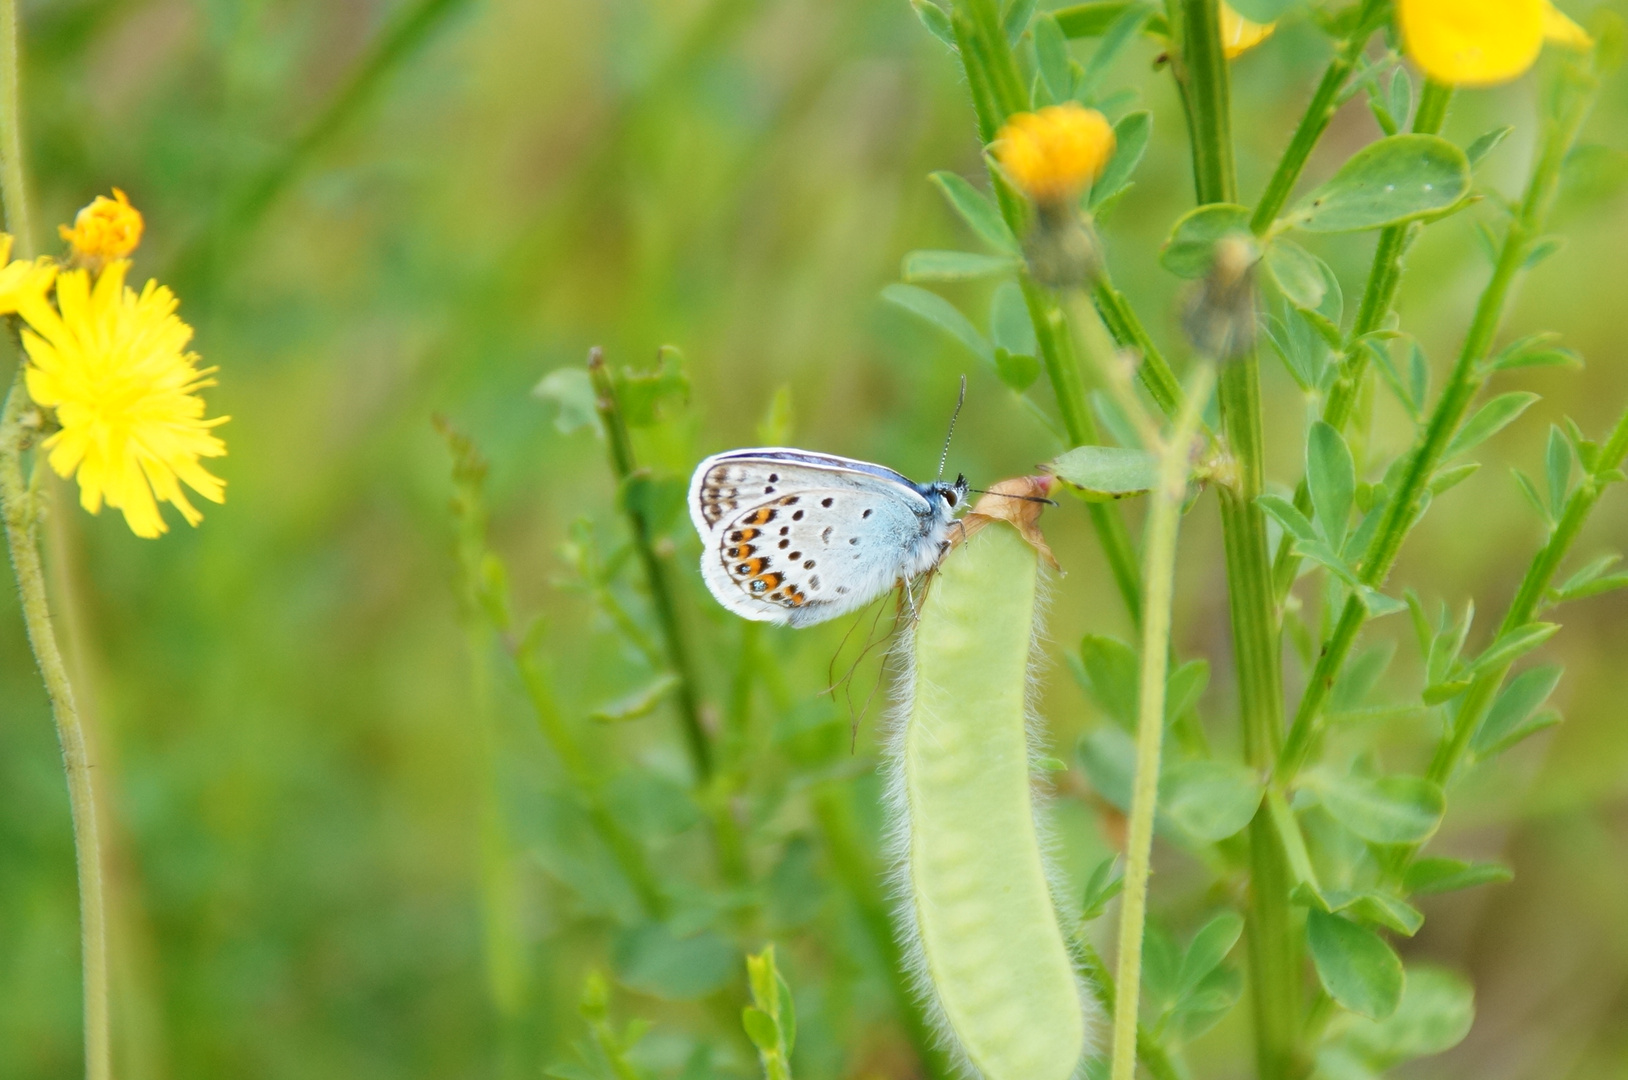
(379, 211)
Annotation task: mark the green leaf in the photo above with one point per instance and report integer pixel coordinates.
(1095, 18)
(1017, 370)
(1262, 11)
(976, 210)
(933, 308)
(652, 959)
(1387, 182)
(761, 1029)
(1051, 54)
(1190, 249)
(648, 397)
(572, 393)
(1009, 324)
(1208, 1004)
(1112, 673)
(1332, 478)
(1101, 887)
(1131, 136)
(1307, 541)
(1541, 249)
(1304, 351)
(1118, 36)
(1511, 646)
(1437, 875)
(1435, 1014)
(1490, 419)
(1183, 687)
(1107, 754)
(1379, 908)
(1016, 19)
(1453, 475)
(955, 266)
(1557, 469)
(1296, 272)
(1530, 490)
(1107, 472)
(1214, 940)
(1385, 809)
(1401, 97)
(1485, 144)
(937, 23)
(639, 703)
(1534, 350)
(1209, 799)
(1589, 582)
(1508, 724)
(1355, 965)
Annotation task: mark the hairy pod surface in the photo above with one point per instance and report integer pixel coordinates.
(976, 904)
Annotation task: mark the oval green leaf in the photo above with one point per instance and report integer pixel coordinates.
(1191, 247)
(1212, 800)
(1107, 472)
(1388, 182)
(1383, 809)
(1354, 964)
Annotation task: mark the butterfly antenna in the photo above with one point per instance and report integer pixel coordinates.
(1008, 495)
(959, 401)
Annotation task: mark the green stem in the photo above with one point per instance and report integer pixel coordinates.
(1100, 981)
(1159, 581)
(1378, 294)
(994, 99)
(19, 502)
(855, 871)
(655, 572)
(1325, 102)
(1201, 71)
(1402, 507)
(1528, 599)
(18, 424)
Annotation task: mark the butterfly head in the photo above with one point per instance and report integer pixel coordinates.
(949, 496)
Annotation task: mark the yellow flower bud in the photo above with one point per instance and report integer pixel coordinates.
(1239, 35)
(1482, 42)
(24, 283)
(1054, 154)
(106, 229)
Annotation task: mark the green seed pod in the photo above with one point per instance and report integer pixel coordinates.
(975, 903)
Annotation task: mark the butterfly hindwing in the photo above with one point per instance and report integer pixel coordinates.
(799, 538)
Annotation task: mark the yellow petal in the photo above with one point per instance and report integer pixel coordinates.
(1055, 153)
(1239, 35)
(1558, 28)
(1472, 42)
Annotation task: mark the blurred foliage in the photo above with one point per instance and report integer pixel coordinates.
(389, 784)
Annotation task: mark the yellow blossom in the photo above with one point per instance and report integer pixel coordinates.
(114, 367)
(1481, 42)
(106, 229)
(1054, 154)
(1239, 35)
(23, 284)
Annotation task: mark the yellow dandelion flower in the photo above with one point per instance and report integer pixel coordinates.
(1239, 35)
(1482, 42)
(23, 284)
(106, 229)
(1054, 154)
(114, 367)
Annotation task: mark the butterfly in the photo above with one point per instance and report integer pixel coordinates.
(795, 538)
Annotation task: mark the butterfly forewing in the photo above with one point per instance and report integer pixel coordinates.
(799, 538)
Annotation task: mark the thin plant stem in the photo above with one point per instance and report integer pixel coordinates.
(1158, 578)
(1200, 67)
(1100, 981)
(21, 505)
(1529, 599)
(655, 571)
(1401, 511)
(18, 424)
(995, 98)
(1325, 102)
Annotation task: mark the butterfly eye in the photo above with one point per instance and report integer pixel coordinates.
(951, 497)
